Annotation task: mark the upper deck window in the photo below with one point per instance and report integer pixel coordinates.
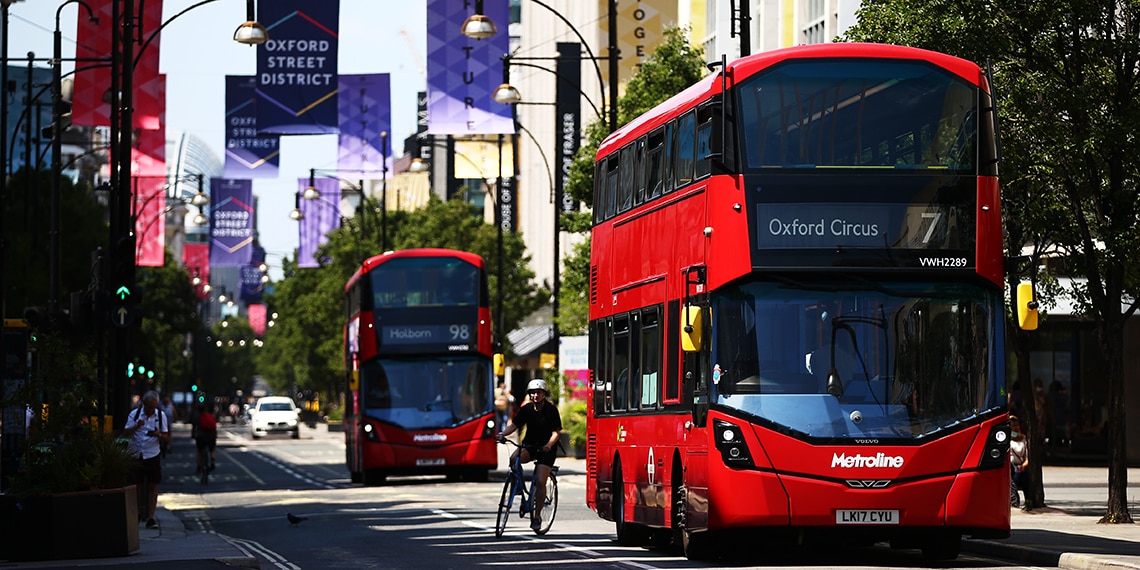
(424, 281)
(858, 113)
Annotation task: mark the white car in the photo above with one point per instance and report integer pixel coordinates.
(274, 414)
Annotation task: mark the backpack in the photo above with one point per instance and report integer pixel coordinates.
(207, 422)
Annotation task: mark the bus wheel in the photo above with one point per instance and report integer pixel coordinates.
(942, 547)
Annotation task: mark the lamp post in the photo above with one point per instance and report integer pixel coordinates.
(480, 26)
(57, 155)
(122, 93)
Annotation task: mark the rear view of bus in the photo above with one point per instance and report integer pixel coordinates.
(796, 327)
(417, 345)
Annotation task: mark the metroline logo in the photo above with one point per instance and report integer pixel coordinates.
(859, 460)
(429, 437)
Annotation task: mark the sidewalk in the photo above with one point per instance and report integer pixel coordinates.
(1065, 534)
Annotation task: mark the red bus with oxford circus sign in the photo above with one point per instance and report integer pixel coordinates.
(796, 307)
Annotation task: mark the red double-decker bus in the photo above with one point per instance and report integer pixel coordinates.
(796, 307)
(417, 346)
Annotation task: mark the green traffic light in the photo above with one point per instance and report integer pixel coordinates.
(193, 387)
(201, 399)
(131, 369)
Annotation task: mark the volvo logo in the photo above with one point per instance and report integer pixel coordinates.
(868, 483)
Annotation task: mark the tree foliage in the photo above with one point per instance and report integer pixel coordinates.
(674, 65)
(1067, 75)
(304, 348)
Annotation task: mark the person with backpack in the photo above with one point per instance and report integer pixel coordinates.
(206, 437)
(147, 426)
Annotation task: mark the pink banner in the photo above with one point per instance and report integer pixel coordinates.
(90, 105)
(150, 219)
(196, 260)
(257, 319)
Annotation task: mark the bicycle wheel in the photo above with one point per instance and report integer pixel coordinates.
(505, 505)
(549, 506)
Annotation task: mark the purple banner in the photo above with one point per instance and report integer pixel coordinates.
(231, 222)
(251, 284)
(318, 218)
(297, 67)
(248, 154)
(462, 72)
(365, 111)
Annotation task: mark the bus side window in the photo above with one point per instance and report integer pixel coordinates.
(634, 361)
(639, 172)
(667, 157)
(654, 163)
(625, 184)
(686, 149)
(704, 141)
(650, 347)
(599, 192)
(621, 362)
(611, 186)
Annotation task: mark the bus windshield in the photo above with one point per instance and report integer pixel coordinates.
(425, 281)
(856, 359)
(426, 392)
(847, 112)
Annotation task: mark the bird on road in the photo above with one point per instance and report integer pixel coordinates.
(294, 519)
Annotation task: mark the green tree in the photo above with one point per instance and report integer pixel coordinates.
(673, 66)
(1068, 79)
(168, 313)
(304, 349)
(27, 224)
(455, 224)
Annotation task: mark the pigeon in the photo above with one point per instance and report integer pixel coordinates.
(294, 519)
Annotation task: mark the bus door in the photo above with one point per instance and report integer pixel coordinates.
(695, 367)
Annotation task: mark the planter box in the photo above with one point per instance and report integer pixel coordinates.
(90, 524)
(336, 427)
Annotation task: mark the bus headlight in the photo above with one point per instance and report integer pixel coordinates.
(730, 442)
(370, 432)
(997, 447)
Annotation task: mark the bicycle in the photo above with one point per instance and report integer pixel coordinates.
(203, 464)
(515, 484)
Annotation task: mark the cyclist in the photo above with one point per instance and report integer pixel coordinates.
(206, 437)
(543, 424)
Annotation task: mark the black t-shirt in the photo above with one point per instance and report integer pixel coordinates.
(540, 424)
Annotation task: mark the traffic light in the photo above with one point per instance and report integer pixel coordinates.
(193, 387)
(123, 270)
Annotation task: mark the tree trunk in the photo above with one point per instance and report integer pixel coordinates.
(1112, 341)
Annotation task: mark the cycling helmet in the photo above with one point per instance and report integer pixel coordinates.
(537, 384)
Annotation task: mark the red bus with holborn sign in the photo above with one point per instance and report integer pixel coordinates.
(796, 307)
(417, 346)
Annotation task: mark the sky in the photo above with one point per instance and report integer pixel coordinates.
(198, 51)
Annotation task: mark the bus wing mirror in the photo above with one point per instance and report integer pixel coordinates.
(691, 327)
(1026, 307)
(500, 364)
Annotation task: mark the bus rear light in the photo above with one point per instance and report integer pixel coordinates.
(730, 442)
(997, 447)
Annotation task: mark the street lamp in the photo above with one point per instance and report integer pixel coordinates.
(251, 32)
(480, 26)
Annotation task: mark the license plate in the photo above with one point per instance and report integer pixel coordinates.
(867, 516)
(429, 462)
